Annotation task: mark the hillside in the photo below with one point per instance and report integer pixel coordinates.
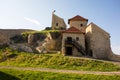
(55, 61)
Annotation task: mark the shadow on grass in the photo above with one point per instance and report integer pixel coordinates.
(4, 76)
(12, 55)
(5, 57)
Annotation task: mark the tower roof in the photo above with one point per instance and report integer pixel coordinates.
(77, 18)
(73, 30)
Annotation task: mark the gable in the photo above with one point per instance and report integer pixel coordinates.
(94, 26)
(77, 18)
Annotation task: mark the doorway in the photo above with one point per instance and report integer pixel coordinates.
(68, 50)
(91, 53)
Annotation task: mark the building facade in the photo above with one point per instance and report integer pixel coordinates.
(85, 40)
(73, 42)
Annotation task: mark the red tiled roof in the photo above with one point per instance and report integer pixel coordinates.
(77, 18)
(73, 30)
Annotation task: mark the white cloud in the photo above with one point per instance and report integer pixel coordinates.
(116, 49)
(33, 21)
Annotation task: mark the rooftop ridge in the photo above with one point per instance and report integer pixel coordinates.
(77, 18)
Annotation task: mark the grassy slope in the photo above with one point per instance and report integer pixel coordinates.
(55, 61)
(40, 32)
(6, 74)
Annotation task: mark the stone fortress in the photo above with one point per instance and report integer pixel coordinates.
(80, 39)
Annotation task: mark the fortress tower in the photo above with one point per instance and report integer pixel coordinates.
(57, 23)
(78, 22)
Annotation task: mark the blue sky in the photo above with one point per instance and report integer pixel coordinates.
(36, 14)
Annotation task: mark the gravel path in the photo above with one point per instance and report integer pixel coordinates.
(61, 71)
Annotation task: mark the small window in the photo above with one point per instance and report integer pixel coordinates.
(69, 38)
(81, 25)
(56, 24)
(77, 38)
(62, 28)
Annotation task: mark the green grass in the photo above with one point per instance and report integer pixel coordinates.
(43, 31)
(9, 74)
(24, 34)
(56, 61)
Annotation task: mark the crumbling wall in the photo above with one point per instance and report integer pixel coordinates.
(43, 43)
(6, 34)
(17, 41)
(114, 57)
(58, 23)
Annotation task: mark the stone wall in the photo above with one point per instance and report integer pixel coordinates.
(114, 57)
(6, 34)
(81, 41)
(58, 23)
(77, 24)
(99, 41)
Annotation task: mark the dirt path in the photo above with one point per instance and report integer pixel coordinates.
(61, 71)
(114, 62)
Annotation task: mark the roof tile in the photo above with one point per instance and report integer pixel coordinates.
(73, 30)
(77, 18)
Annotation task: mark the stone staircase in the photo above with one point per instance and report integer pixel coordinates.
(77, 46)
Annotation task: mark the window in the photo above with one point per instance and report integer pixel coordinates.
(69, 38)
(56, 24)
(81, 25)
(62, 28)
(77, 38)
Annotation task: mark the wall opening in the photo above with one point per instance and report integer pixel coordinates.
(91, 53)
(69, 38)
(77, 38)
(68, 50)
(56, 24)
(81, 25)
